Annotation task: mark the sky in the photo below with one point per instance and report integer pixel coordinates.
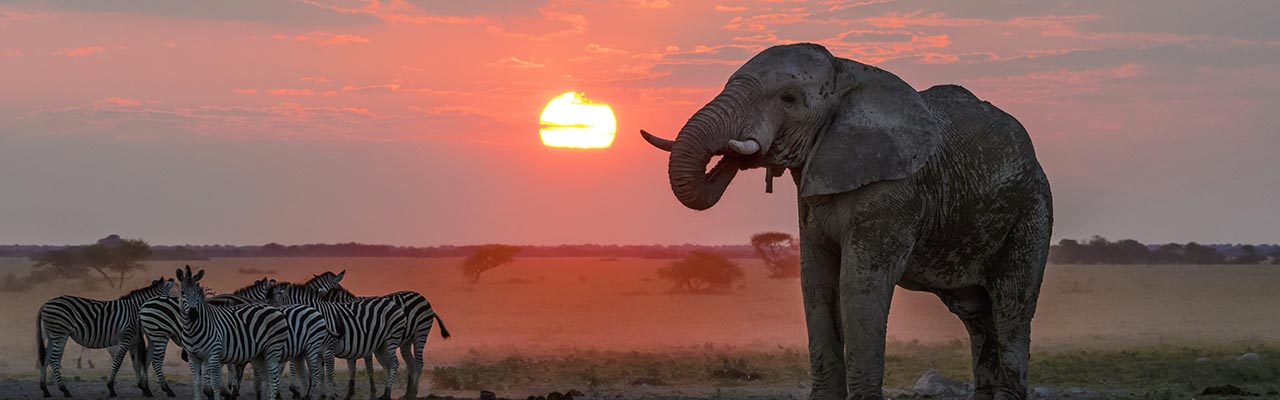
(415, 122)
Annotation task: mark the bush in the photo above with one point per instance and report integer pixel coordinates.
(702, 272)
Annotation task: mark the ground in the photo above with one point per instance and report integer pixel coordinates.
(608, 328)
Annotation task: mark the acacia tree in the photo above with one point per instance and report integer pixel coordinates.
(487, 257)
(702, 272)
(114, 259)
(780, 253)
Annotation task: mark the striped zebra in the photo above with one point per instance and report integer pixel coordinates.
(308, 348)
(420, 318)
(213, 336)
(159, 319)
(368, 327)
(95, 324)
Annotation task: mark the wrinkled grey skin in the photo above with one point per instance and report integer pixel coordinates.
(932, 191)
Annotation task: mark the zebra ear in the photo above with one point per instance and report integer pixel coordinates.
(198, 275)
(342, 274)
(178, 273)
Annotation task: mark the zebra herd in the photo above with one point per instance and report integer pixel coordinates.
(267, 324)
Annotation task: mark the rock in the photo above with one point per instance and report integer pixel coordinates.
(575, 393)
(933, 384)
(1203, 360)
(487, 395)
(1078, 390)
(555, 396)
(1249, 357)
(1226, 390)
(1043, 392)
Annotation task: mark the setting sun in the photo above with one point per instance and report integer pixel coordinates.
(571, 121)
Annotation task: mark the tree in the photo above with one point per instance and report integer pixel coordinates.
(702, 272)
(1195, 253)
(780, 252)
(487, 257)
(113, 258)
(1248, 255)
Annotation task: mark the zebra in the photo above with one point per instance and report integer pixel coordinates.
(214, 335)
(307, 349)
(159, 319)
(368, 327)
(420, 318)
(94, 324)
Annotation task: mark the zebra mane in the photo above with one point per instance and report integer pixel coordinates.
(136, 293)
(252, 286)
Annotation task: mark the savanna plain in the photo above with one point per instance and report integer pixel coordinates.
(609, 328)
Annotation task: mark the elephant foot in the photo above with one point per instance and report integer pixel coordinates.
(65, 392)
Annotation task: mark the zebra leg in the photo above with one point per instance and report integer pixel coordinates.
(57, 343)
(237, 377)
(117, 358)
(158, 345)
(368, 367)
(139, 360)
(387, 358)
(414, 364)
(273, 369)
(294, 378)
(213, 367)
(331, 387)
(351, 378)
(197, 369)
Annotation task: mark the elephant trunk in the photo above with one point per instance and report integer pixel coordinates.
(705, 135)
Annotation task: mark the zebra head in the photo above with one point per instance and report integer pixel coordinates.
(325, 282)
(258, 291)
(192, 299)
(157, 288)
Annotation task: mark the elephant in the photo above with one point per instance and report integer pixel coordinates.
(934, 191)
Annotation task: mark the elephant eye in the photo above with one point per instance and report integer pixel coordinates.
(788, 98)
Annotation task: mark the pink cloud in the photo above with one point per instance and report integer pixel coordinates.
(327, 38)
(116, 102)
(291, 92)
(81, 51)
(515, 62)
(724, 8)
(244, 91)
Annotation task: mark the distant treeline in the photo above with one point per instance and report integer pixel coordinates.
(1097, 250)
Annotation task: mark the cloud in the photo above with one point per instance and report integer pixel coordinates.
(13, 53)
(293, 13)
(116, 102)
(81, 51)
(598, 49)
(327, 38)
(724, 8)
(514, 62)
(290, 92)
(244, 91)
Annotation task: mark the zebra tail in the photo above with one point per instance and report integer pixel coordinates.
(40, 349)
(444, 332)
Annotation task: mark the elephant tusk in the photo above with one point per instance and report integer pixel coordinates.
(660, 143)
(747, 147)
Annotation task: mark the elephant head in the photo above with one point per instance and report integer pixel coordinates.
(840, 124)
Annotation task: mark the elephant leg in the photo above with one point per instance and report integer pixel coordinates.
(1020, 267)
(819, 281)
(973, 306)
(867, 282)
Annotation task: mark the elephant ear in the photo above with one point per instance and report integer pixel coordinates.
(881, 130)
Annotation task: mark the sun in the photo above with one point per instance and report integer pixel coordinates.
(572, 121)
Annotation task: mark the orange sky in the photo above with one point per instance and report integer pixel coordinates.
(416, 122)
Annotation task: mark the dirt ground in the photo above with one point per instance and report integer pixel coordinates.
(549, 307)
